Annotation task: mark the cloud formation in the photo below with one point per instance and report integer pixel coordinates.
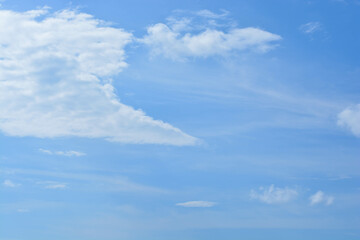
(9, 183)
(63, 153)
(196, 204)
(179, 39)
(320, 197)
(350, 118)
(274, 194)
(56, 75)
(310, 27)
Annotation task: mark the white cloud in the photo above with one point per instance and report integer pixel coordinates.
(63, 153)
(9, 183)
(177, 41)
(56, 80)
(274, 194)
(310, 27)
(350, 118)
(196, 204)
(320, 197)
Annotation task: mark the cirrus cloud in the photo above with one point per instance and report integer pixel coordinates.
(196, 204)
(56, 73)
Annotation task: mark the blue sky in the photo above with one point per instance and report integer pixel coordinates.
(167, 120)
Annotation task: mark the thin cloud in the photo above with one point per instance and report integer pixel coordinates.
(11, 184)
(310, 27)
(197, 204)
(22, 210)
(63, 153)
(108, 183)
(274, 194)
(56, 79)
(209, 14)
(56, 186)
(52, 184)
(320, 197)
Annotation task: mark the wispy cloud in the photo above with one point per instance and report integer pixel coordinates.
(310, 27)
(9, 183)
(209, 14)
(274, 194)
(350, 118)
(63, 153)
(107, 183)
(56, 186)
(320, 197)
(197, 204)
(53, 184)
(56, 73)
(204, 40)
(22, 210)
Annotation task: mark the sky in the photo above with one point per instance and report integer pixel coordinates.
(179, 120)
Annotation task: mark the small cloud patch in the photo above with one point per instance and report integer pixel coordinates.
(11, 184)
(63, 153)
(310, 27)
(320, 197)
(273, 195)
(197, 204)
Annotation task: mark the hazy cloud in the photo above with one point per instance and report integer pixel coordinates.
(310, 27)
(320, 197)
(9, 183)
(274, 194)
(56, 186)
(196, 204)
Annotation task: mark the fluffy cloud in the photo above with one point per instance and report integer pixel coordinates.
(350, 118)
(56, 80)
(9, 183)
(320, 197)
(196, 204)
(274, 194)
(63, 153)
(177, 41)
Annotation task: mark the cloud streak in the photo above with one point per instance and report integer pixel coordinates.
(196, 204)
(56, 75)
(63, 153)
(11, 184)
(310, 27)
